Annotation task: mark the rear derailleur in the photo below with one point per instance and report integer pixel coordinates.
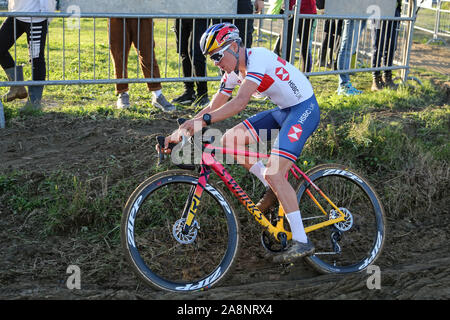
(335, 237)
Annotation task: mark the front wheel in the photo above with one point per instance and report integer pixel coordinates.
(160, 252)
(355, 243)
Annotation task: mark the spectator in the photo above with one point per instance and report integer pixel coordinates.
(188, 33)
(349, 42)
(303, 31)
(332, 31)
(384, 43)
(36, 31)
(138, 32)
(245, 26)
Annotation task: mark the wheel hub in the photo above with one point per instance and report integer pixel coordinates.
(190, 236)
(348, 219)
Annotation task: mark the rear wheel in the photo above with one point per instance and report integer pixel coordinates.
(351, 245)
(155, 245)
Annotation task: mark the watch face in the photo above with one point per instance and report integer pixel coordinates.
(207, 118)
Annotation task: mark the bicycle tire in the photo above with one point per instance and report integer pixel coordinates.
(158, 254)
(360, 238)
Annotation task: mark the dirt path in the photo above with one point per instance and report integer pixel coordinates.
(431, 57)
(31, 269)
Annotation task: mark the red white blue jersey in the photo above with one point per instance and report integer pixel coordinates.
(277, 79)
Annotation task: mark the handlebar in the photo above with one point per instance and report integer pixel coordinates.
(161, 141)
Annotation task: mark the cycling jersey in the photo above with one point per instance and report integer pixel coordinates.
(277, 79)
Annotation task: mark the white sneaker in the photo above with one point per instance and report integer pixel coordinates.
(162, 103)
(123, 101)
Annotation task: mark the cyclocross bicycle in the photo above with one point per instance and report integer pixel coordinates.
(180, 232)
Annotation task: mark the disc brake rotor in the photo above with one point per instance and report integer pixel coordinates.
(177, 231)
(348, 219)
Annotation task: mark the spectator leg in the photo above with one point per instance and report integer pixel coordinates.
(146, 51)
(344, 55)
(36, 36)
(197, 56)
(119, 41)
(7, 40)
(13, 73)
(183, 28)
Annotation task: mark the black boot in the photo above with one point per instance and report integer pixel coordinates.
(388, 82)
(377, 83)
(186, 98)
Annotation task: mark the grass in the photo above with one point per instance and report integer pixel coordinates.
(92, 60)
(398, 139)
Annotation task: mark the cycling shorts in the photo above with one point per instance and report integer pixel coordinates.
(294, 126)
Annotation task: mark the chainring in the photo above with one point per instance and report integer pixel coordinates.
(270, 243)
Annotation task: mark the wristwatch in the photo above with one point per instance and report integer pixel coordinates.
(207, 118)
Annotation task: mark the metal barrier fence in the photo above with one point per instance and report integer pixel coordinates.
(78, 46)
(362, 47)
(68, 43)
(434, 20)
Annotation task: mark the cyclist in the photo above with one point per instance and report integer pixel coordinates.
(260, 72)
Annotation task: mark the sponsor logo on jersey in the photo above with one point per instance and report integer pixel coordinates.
(295, 90)
(305, 114)
(295, 132)
(282, 61)
(282, 74)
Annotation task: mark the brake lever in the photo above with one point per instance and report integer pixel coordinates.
(161, 155)
(161, 142)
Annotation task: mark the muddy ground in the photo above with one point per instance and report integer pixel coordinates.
(415, 263)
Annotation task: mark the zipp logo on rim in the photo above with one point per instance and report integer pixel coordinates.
(374, 252)
(203, 283)
(130, 226)
(342, 172)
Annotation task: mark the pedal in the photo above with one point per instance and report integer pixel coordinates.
(282, 237)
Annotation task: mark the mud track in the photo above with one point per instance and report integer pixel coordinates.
(415, 263)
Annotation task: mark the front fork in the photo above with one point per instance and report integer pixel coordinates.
(193, 201)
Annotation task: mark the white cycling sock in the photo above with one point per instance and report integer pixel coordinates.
(258, 170)
(296, 223)
(157, 93)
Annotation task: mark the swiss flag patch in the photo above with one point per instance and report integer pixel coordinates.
(295, 133)
(282, 74)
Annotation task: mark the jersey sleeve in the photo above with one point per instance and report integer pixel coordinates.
(227, 85)
(256, 68)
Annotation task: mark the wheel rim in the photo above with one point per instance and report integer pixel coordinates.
(361, 236)
(158, 254)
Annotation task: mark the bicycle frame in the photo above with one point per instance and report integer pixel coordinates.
(209, 162)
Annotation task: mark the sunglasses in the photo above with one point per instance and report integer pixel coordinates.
(217, 57)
